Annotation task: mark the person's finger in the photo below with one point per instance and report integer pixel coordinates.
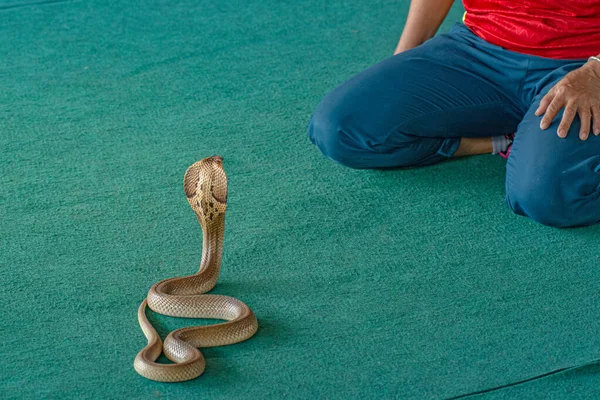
(585, 115)
(553, 109)
(545, 102)
(596, 115)
(567, 120)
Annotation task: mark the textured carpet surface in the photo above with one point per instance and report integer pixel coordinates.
(367, 284)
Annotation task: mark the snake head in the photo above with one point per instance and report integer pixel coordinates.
(205, 185)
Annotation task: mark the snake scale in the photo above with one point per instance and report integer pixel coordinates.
(205, 185)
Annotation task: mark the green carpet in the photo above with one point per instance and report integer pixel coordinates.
(408, 284)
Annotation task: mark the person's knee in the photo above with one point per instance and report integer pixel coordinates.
(542, 195)
(550, 182)
(536, 204)
(330, 130)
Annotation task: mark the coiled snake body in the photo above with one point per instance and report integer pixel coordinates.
(205, 185)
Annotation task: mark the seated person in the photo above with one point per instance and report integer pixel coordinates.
(517, 78)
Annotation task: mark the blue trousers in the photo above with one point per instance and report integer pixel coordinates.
(413, 109)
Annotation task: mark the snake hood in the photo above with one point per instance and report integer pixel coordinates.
(205, 185)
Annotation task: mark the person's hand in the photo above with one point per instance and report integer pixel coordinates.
(579, 93)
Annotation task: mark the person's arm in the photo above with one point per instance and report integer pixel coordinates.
(424, 19)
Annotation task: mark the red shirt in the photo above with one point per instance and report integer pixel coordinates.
(546, 28)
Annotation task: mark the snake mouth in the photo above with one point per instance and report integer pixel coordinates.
(217, 159)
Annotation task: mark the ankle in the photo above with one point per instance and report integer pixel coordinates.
(474, 146)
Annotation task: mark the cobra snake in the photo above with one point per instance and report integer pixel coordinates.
(205, 185)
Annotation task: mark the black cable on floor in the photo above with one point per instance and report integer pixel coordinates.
(462, 396)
